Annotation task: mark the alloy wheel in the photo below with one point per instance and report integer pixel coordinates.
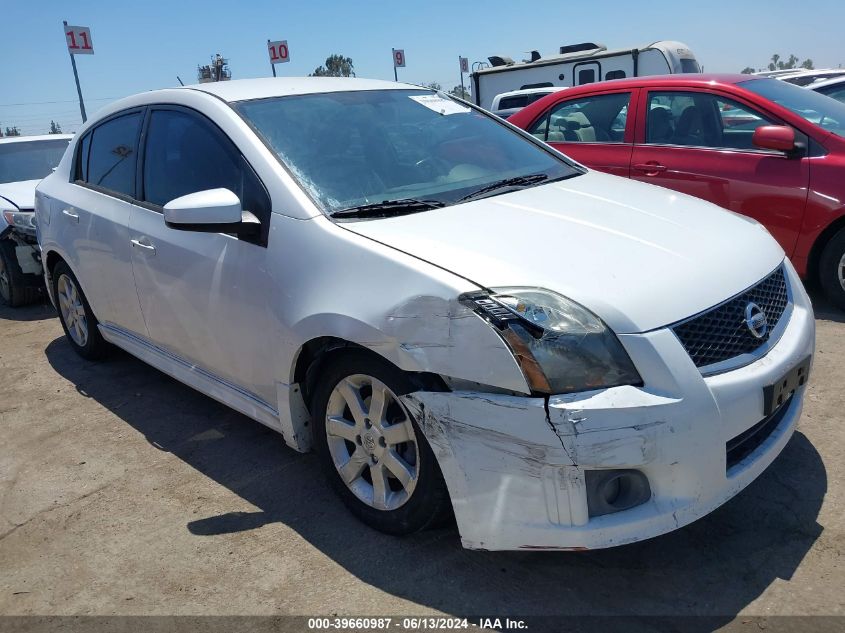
(372, 442)
(73, 310)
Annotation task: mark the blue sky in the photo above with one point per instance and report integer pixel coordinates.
(145, 45)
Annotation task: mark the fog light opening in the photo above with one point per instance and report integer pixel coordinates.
(610, 491)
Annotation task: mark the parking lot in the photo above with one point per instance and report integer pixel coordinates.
(125, 492)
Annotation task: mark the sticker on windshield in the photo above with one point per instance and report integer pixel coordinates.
(440, 104)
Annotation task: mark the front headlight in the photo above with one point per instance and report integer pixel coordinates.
(24, 220)
(560, 345)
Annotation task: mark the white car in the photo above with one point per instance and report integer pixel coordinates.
(24, 161)
(509, 103)
(452, 314)
(833, 88)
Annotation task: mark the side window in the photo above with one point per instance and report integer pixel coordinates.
(599, 119)
(700, 120)
(614, 74)
(185, 154)
(586, 76)
(113, 155)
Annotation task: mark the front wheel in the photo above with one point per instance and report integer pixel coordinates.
(832, 269)
(371, 448)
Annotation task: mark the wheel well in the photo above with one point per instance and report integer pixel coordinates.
(818, 246)
(53, 258)
(314, 354)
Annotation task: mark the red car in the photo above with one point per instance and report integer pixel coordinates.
(760, 147)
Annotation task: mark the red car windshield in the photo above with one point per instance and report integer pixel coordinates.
(815, 108)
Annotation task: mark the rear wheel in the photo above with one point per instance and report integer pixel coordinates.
(15, 289)
(371, 448)
(75, 315)
(832, 269)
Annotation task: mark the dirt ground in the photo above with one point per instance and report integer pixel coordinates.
(124, 492)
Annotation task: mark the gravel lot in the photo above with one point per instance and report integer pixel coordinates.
(125, 492)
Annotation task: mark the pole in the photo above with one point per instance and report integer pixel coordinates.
(460, 66)
(76, 78)
(393, 54)
(272, 65)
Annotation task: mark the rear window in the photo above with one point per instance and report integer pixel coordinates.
(113, 155)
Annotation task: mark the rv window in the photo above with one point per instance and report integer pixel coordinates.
(690, 66)
(599, 119)
(614, 74)
(586, 76)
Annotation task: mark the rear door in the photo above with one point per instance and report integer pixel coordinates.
(699, 143)
(596, 130)
(93, 218)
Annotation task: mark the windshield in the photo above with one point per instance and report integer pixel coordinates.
(29, 160)
(820, 110)
(349, 149)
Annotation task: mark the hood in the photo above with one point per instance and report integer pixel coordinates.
(21, 194)
(637, 255)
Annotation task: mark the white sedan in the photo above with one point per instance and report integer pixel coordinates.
(24, 161)
(457, 318)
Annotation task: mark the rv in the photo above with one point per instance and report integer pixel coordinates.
(578, 64)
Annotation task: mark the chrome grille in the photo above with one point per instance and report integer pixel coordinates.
(720, 333)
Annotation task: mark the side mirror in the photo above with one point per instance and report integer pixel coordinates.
(776, 137)
(210, 211)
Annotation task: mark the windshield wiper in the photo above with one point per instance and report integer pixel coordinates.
(517, 181)
(388, 208)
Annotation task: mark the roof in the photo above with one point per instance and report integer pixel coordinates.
(600, 51)
(244, 89)
(680, 79)
(39, 137)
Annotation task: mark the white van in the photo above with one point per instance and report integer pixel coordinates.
(578, 64)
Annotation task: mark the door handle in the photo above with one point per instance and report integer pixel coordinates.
(71, 213)
(651, 168)
(149, 248)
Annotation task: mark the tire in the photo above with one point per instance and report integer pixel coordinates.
(832, 269)
(402, 508)
(15, 289)
(75, 315)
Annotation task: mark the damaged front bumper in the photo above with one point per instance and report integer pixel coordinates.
(516, 466)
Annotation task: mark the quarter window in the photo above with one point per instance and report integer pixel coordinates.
(701, 120)
(598, 119)
(113, 155)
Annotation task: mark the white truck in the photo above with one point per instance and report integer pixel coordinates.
(578, 64)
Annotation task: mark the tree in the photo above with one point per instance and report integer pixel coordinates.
(748, 70)
(13, 131)
(434, 85)
(460, 92)
(55, 128)
(336, 66)
(777, 63)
